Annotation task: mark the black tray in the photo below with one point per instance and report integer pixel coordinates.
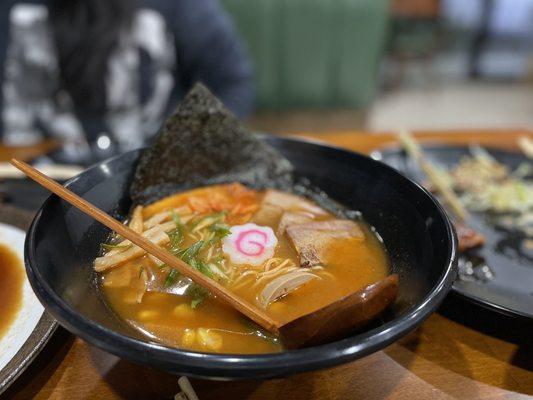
(510, 289)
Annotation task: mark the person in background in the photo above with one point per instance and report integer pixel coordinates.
(110, 71)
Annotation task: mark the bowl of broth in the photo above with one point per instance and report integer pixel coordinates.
(287, 251)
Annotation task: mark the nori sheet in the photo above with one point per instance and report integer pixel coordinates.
(203, 143)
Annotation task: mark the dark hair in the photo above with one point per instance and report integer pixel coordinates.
(85, 33)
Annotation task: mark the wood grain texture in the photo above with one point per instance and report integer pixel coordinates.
(461, 352)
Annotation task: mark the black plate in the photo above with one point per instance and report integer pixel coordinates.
(508, 287)
(62, 243)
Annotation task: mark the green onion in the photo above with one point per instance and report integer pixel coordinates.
(204, 268)
(176, 218)
(191, 252)
(176, 238)
(176, 235)
(220, 230)
(197, 294)
(217, 271)
(207, 220)
(218, 259)
(172, 278)
(109, 247)
(196, 302)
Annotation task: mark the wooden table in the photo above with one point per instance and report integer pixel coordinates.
(462, 351)
(25, 153)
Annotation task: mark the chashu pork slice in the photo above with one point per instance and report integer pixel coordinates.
(274, 203)
(289, 218)
(311, 240)
(290, 202)
(266, 214)
(467, 237)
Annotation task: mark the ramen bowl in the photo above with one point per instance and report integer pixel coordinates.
(419, 238)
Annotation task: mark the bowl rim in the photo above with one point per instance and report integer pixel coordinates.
(243, 365)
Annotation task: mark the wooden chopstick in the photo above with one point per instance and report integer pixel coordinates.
(252, 312)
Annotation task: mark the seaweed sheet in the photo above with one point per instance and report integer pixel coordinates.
(204, 143)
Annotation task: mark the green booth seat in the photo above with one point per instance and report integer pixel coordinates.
(313, 53)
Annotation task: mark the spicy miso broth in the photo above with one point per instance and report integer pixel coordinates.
(277, 250)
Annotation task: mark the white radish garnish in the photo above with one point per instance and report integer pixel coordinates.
(250, 244)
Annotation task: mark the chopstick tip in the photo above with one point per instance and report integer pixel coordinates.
(14, 162)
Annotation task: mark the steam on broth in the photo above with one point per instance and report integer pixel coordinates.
(277, 250)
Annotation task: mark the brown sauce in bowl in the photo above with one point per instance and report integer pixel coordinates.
(11, 284)
(180, 320)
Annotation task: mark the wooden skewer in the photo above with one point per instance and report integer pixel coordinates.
(526, 145)
(220, 291)
(415, 151)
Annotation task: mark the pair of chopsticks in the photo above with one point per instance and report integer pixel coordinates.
(255, 314)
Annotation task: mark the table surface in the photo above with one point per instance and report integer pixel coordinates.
(25, 153)
(462, 351)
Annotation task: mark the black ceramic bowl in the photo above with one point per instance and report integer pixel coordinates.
(62, 244)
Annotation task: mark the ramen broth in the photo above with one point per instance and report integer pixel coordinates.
(210, 225)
